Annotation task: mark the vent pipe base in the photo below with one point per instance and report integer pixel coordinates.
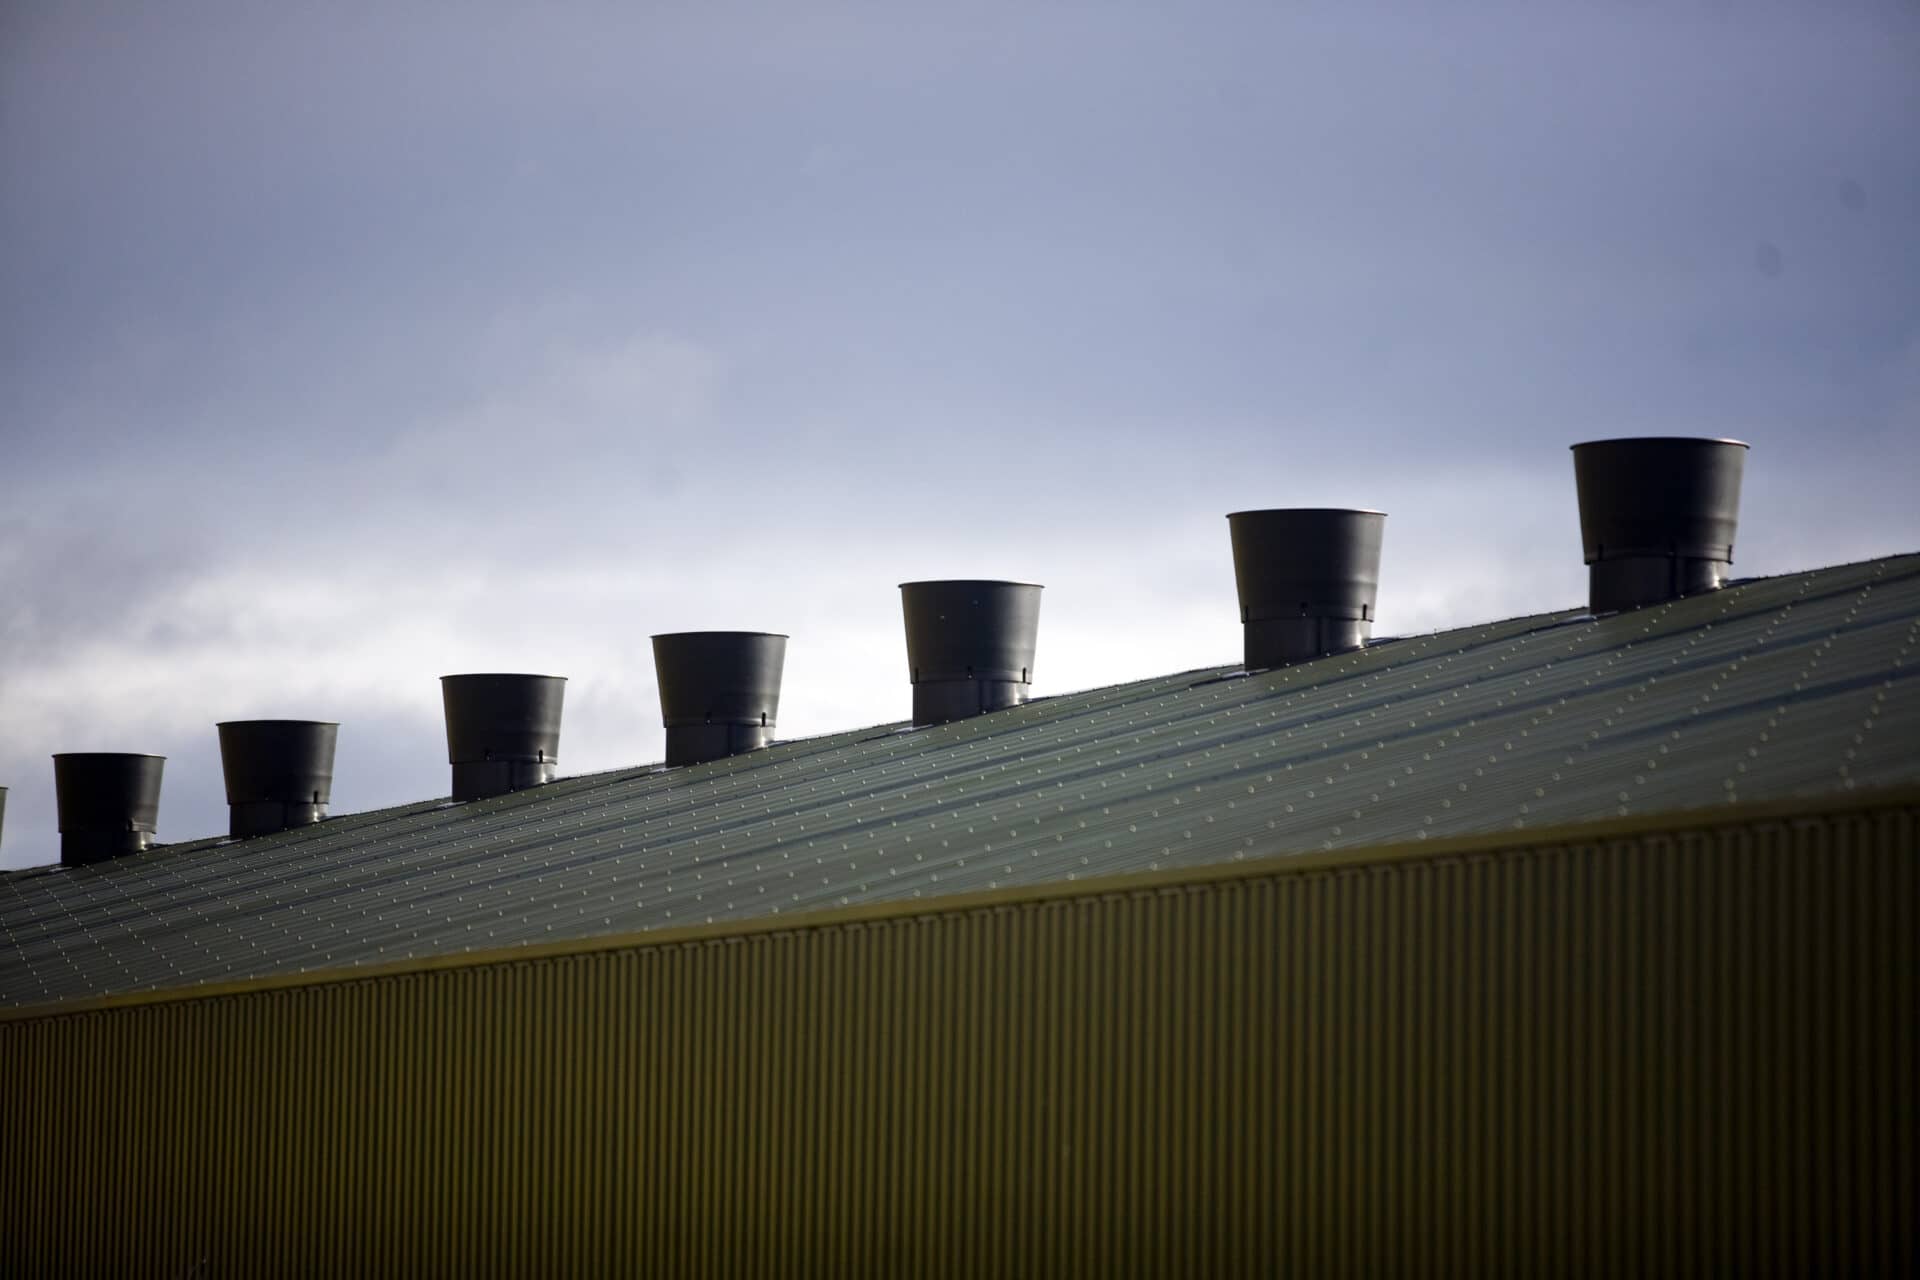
(1632, 582)
(938, 701)
(699, 743)
(264, 817)
(83, 848)
(479, 779)
(1276, 642)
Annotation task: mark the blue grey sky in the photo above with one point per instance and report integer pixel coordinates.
(346, 345)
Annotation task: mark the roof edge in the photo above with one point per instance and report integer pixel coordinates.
(1492, 843)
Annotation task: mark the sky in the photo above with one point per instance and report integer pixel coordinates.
(344, 346)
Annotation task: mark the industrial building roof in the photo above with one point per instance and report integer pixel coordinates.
(1770, 688)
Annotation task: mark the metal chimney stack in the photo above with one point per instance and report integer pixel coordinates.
(279, 773)
(1657, 517)
(108, 804)
(1307, 578)
(970, 645)
(503, 731)
(3, 815)
(719, 691)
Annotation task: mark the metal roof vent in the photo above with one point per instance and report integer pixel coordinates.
(719, 691)
(1657, 517)
(1307, 578)
(279, 773)
(108, 803)
(970, 644)
(503, 731)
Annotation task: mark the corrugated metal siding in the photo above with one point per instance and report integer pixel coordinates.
(1687, 1051)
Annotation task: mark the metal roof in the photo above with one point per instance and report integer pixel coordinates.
(1779, 687)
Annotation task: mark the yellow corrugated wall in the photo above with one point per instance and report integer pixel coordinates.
(1686, 1051)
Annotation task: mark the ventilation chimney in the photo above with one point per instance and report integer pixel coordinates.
(1307, 578)
(719, 691)
(279, 773)
(503, 731)
(1657, 517)
(3, 815)
(108, 803)
(970, 645)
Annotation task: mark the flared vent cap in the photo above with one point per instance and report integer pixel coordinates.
(503, 731)
(279, 773)
(970, 645)
(1308, 579)
(107, 802)
(1658, 515)
(719, 691)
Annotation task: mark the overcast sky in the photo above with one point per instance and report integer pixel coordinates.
(343, 346)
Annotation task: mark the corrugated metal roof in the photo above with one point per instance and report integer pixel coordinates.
(1785, 686)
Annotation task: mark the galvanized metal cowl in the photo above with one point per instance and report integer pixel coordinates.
(719, 691)
(1657, 517)
(108, 803)
(503, 731)
(279, 773)
(1307, 578)
(970, 645)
